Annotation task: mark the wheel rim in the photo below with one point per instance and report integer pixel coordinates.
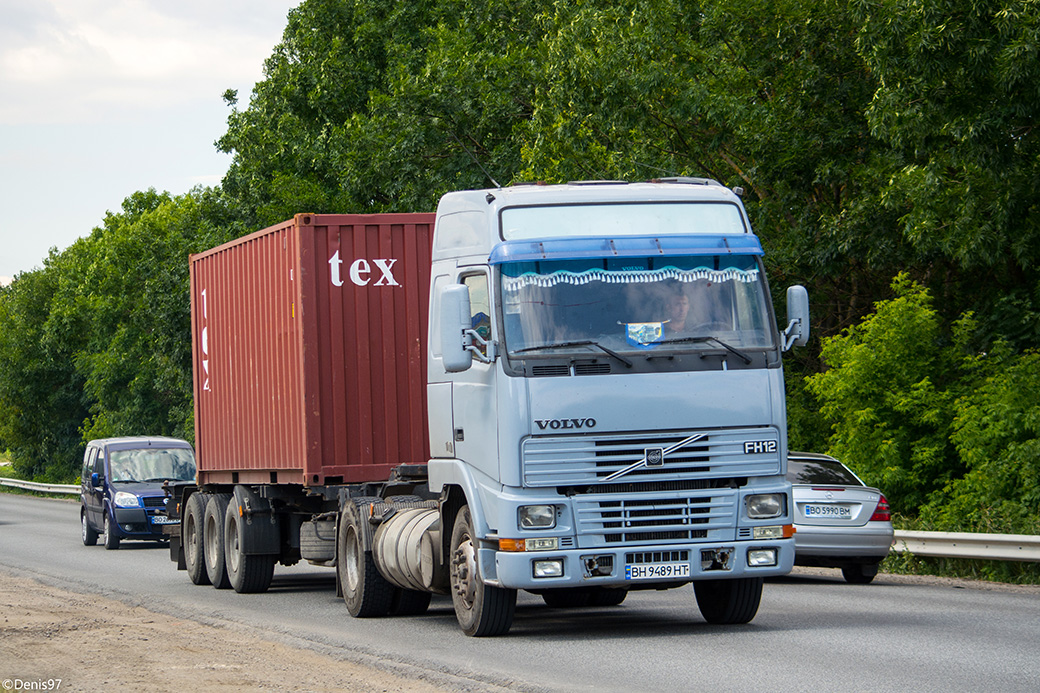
(464, 571)
(83, 526)
(351, 564)
(104, 535)
(211, 543)
(191, 548)
(231, 546)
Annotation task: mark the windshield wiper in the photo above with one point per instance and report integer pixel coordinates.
(582, 342)
(700, 340)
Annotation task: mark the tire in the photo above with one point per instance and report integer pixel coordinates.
(410, 602)
(567, 597)
(89, 534)
(108, 536)
(246, 573)
(192, 539)
(607, 596)
(482, 610)
(729, 602)
(366, 592)
(213, 540)
(859, 573)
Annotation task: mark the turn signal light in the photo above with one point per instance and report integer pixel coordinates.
(881, 512)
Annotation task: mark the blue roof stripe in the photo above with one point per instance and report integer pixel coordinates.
(627, 246)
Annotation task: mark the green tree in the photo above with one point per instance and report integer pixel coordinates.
(889, 395)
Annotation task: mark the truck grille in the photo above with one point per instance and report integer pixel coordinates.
(660, 520)
(592, 463)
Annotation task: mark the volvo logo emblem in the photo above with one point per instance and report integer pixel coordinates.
(654, 457)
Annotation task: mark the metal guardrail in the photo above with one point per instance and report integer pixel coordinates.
(70, 489)
(999, 547)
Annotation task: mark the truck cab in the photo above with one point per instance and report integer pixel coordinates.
(606, 393)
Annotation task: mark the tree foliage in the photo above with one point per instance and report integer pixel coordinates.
(887, 148)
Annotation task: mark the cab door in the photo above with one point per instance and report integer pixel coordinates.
(97, 495)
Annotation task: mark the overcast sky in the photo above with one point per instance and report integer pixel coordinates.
(102, 98)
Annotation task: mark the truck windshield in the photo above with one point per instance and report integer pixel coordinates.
(631, 305)
(152, 464)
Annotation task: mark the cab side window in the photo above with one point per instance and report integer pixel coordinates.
(479, 306)
(88, 462)
(99, 464)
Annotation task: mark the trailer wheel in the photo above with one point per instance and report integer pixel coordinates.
(246, 573)
(728, 602)
(213, 540)
(90, 535)
(482, 610)
(192, 536)
(365, 591)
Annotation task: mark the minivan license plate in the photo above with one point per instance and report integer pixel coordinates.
(657, 571)
(163, 520)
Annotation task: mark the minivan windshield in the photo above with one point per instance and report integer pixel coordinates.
(152, 464)
(633, 305)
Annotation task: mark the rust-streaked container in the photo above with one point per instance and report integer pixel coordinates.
(309, 349)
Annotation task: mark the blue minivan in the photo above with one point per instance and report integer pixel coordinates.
(122, 487)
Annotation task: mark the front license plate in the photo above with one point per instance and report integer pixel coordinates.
(836, 512)
(162, 520)
(657, 571)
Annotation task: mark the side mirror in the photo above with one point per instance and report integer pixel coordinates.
(95, 480)
(797, 332)
(455, 320)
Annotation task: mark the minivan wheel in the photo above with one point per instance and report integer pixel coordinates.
(111, 539)
(90, 535)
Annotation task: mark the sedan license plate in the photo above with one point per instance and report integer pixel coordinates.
(834, 512)
(657, 571)
(162, 520)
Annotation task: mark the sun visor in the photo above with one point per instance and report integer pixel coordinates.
(578, 248)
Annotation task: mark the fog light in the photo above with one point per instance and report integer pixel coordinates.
(761, 558)
(537, 516)
(775, 532)
(548, 569)
(765, 505)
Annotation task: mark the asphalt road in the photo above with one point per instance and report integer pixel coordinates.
(812, 633)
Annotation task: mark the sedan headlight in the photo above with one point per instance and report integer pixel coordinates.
(765, 505)
(537, 516)
(123, 499)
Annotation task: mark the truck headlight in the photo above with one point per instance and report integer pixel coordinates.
(122, 499)
(537, 516)
(765, 505)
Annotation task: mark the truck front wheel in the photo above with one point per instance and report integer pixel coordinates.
(482, 610)
(191, 534)
(728, 602)
(365, 591)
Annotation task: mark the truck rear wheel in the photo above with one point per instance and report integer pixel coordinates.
(482, 610)
(246, 573)
(191, 534)
(728, 602)
(365, 591)
(213, 540)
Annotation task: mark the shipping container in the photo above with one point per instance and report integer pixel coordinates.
(309, 348)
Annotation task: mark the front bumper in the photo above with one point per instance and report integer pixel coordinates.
(516, 570)
(137, 523)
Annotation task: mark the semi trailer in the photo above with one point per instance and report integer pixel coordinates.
(574, 390)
